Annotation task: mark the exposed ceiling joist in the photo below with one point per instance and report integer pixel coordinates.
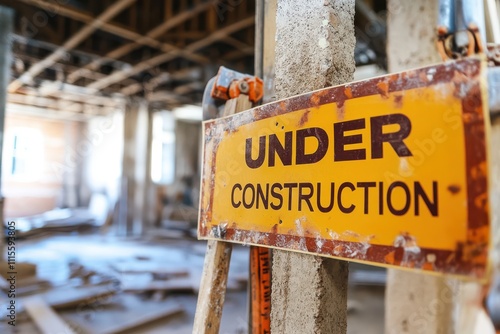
(53, 113)
(56, 104)
(194, 73)
(153, 34)
(162, 58)
(76, 39)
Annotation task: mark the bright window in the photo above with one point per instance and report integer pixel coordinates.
(163, 148)
(23, 154)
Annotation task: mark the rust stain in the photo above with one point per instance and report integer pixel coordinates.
(315, 99)
(469, 258)
(479, 235)
(428, 266)
(340, 112)
(348, 92)
(383, 89)
(305, 117)
(398, 101)
(454, 189)
(460, 81)
(390, 257)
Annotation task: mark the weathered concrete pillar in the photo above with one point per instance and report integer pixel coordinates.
(6, 24)
(131, 206)
(314, 49)
(415, 303)
(148, 209)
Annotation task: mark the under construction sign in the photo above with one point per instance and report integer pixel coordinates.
(390, 171)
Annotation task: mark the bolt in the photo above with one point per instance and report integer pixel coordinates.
(243, 86)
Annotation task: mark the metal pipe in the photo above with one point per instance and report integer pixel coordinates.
(494, 90)
(446, 15)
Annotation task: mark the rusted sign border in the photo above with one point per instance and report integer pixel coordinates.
(470, 259)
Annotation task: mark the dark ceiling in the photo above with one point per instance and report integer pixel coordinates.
(89, 56)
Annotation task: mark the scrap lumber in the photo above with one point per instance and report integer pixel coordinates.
(22, 269)
(66, 298)
(148, 267)
(45, 318)
(216, 266)
(142, 320)
(173, 285)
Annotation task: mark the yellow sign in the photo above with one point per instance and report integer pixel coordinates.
(390, 171)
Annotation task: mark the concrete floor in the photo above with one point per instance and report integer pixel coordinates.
(52, 255)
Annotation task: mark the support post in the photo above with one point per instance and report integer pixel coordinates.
(130, 218)
(6, 24)
(415, 303)
(217, 258)
(149, 187)
(314, 49)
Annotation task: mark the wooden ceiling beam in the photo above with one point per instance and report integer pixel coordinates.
(162, 58)
(66, 67)
(193, 73)
(108, 27)
(150, 40)
(166, 96)
(57, 104)
(236, 43)
(71, 43)
(72, 97)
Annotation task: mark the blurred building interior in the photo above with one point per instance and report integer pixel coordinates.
(100, 167)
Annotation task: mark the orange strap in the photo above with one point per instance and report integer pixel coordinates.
(260, 283)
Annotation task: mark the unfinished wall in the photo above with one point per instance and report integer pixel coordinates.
(103, 165)
(132, 183)
(187, 141)
(41, 185)
(314, 49)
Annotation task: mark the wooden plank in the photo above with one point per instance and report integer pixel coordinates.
(171, 285)
(168, 10)
(212, 288)
(268, 46)
(47, 321)
(148, 267)
(142, 319)
(71, 43)
(66, 298)
(215, 269)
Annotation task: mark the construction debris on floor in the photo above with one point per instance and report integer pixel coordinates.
(102, 284)
(96, 284)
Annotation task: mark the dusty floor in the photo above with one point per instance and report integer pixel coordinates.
(52, 255)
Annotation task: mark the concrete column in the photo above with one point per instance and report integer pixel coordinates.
(131, 205)
(148, 212)
(415, 303)
(314, 49)
(6, 24)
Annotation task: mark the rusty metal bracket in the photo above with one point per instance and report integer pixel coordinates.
(460, 25)
(229, 84)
